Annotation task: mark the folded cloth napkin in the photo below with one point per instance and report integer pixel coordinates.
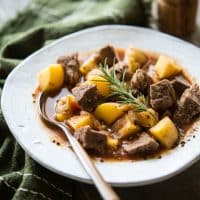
(41, 22)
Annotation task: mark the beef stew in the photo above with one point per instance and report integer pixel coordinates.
(122, 101)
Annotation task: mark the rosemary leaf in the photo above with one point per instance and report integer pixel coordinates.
(122, 90)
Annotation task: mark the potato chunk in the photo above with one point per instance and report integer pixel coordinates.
(79, 121)
(61, 117)
(138, 55)
(165, 132)
(109, 112)
(147, 118)
(103, 87)
(130, 61)
(134, 58)
(71, 103)
(126, 126)
(88, 65)
(112, 142)
(129, 128)
(166, 67)
(65, 108)
(51, 78)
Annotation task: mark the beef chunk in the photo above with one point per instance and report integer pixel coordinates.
(179, 86)
(188, 106)
(162, 95)
(106, 53)
(71, 66)
(87, 96)
(91, 139)
(141, 80)
(121, 68)
(144, 144)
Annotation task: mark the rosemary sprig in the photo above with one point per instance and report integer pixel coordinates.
(122, 90)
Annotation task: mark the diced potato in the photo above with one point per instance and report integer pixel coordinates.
(79, 121)
(138, 55)
(61, 117)
(127, 127)
(65, 103)
(165, 132)
(166, 67)
(130, 61)
(93, 72)
(88, 65)
(51, 78)
(112, 142)
(147, 118)
(134, 58)
(103, 86)
(65, 107)
(109, 112)
(71, 102)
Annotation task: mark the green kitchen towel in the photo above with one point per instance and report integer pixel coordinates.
(47, 20)
(40, 23)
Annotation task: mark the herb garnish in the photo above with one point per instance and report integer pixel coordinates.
(122, 90)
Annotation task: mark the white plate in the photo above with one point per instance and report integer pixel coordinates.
(23, 121)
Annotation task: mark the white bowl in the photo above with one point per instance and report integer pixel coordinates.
(23, 120)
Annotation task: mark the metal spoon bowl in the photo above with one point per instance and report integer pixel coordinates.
(104, 188)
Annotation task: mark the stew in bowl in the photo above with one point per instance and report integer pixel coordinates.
(124, 103)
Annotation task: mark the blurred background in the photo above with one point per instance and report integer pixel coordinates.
(177, 17)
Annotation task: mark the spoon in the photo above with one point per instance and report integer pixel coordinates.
(104, 188)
